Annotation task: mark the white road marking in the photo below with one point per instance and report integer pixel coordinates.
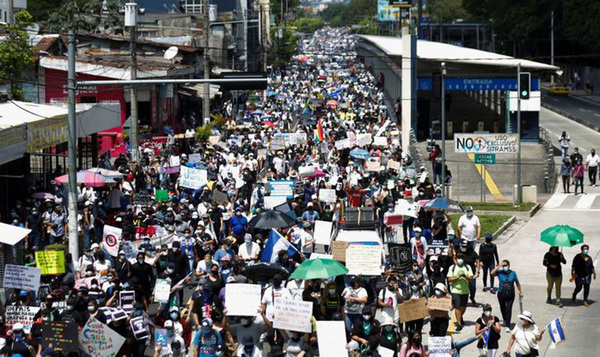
(555, 201)
(585, 201)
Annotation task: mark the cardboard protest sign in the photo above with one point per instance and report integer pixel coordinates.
(439, 304)
(161, 195)
(242, 299)
(22, 314)
(60, 335)
(331, 336)
(363, 259)
(440, 346)
(339, 250)
(160, 337)
(111, 239)
(394, 165)
(139, 327)
(322, 233)
(327, 195)
(51, 262)
(22, 277)
(413, 309)
(162, 290)
(400, 256)
(293, 315)
(192, 178)
(126, 300)
(373, 165)
(99, 340)
(219, 197)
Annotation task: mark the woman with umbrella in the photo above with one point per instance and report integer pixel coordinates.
(331, 302)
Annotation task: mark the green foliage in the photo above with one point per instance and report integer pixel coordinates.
(16, 55)
(351, 13)
(219, 120)
(308, 24)
(447, 11)
(86, 16)
(204, 132)
(283, 48)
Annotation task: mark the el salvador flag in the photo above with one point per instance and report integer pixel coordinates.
(556, 331)
(275, 244)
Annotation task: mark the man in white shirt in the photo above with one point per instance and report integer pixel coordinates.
(388, 300)
(592, 161)
(469, 227)
(249, 251)
(272, 293)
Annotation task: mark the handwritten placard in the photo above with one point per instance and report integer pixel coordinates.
(327, 195)
(162, 290)
(363, 259)
(293, 315)
(193, 178)
(413, 309)
(339, 250)
(242, 299)
(61, 336)
(440, 346)
(440, 304)
(363, 139)
(22, 277)
(99, 340)
(51, 262)
(394, 165)
(21, 314)
(373, 165)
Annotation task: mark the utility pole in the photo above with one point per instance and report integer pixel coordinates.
(519, 193)
(11, 12)
(443, 129)
(552, 44)
(72, 167)
(131, 22)
(206, 102)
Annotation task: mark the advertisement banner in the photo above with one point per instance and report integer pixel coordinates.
(486, 143)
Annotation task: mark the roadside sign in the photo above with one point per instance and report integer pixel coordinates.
(485, 159)
(486, 143)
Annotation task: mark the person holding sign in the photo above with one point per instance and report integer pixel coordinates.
(439, 319)
(366, 328)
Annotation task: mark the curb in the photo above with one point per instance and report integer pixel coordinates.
(569, 116)
(535, 210)
(504, 227)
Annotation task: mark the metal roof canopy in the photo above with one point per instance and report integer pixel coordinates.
(460, 61)
(126, 82)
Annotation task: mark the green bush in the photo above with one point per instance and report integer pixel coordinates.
(204, 132)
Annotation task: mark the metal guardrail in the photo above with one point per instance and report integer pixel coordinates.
(549, 165)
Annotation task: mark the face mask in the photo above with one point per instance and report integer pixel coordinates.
(246, 322)
(238, 213)
(414, 287)
(367, 317)
(140, 261)
(139, 312)
(169, 271)
(91, 308)
(249, 242)
(438, 293)
(417, 234)
(170, 333)
(415, 268)
(45, 318)
(460, 261)
(331, 291)
(463, 249)
(248, 349)
(505, 268)
(214, 272)
(174, 316)
(487, 313)
(469, 214)
(94, 286)
(389, 328)
(585, 252)
(391, 287)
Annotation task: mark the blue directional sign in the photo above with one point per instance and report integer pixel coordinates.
(452, 84)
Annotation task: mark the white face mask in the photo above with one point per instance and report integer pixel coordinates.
(487, 313)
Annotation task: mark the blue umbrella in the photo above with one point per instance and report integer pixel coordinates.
(360, 154)
(443, 203)
(271, 93)
(280, 96)
(256, 112)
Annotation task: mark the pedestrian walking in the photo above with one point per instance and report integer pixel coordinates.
(564, 141)
(565, 171)
(459, 276)
(525, 337)
(552, 261)
(577, 174)
(488, 256)
(582, 271)
(591, 163)
(507, 280)
(489, 325)
(469, 227)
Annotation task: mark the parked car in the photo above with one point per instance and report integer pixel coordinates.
(558, 89)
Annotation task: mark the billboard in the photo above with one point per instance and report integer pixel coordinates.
(486, 143)
(387, 12)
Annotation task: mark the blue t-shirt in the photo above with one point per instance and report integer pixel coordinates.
(510, 277)
(208, 344)
(239, 224)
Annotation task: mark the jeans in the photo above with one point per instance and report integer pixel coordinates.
(579, 183)
(351, 319)
(582, 282)
(566, 181)
(472, 288)
(592, 172)
(564, 151)
(488, 267)
(554, 281)
(506, 304)
(458, 345)
(439, 326)
(407, 228)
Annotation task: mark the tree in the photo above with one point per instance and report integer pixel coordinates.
(87, 16)
(16, 55)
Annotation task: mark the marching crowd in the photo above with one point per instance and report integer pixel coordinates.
(317, 130)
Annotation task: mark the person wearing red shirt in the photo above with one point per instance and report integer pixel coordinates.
(355, 195)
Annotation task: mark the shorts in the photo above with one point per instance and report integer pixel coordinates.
(460, 300)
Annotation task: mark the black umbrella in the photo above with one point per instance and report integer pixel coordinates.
(271, 219)
(264, 271)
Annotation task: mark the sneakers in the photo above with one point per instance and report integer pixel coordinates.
(485, 288)
(507, 329)
(493, 290)
(548, 300)
(458, 328)
(558, 303)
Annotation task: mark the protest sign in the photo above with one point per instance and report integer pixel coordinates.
(323, 232)
(160, 337)
(142, 198)
(413, 309)
(400, 257)
(126, 300)
(242, 299)
(440, 346)
(327, 195)
(194, 158)
(342, 144)
(22, 277)
(363, 139)
(331, 336)
(320, 256)
(277, 144)
(261, 154)
(99, 340)
(394, 165)
(299, 188)
(305, 171)
(59, 306)
(385, 352)
(22, 314)
(193, 178)
(283, 188)
(174, 161)
(111, 239)
(61, 336)
(139, 327)
(439, 304)
(87, 281)
(162, 290)
(112, 313)
(293, 315)
(339, 250)
(219, 197)
(372, 165)
(161, 195)
(50, 261)
(380, 141)
(214, 139)
(274, 201)
(438, 247)
(393, 219)
(363, 259)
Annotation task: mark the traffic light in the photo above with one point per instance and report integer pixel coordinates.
(524, 85)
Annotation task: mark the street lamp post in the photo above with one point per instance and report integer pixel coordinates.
(443, 129)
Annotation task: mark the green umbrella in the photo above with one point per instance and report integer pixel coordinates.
(562, 236)
(319, 269)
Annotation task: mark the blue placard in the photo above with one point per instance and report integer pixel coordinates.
(451, 84)
(282, 188)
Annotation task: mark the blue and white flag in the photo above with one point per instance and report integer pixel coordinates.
(556, 331)
(275, 244)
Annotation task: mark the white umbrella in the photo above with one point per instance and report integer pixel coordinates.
(105, 172)
(406, 208)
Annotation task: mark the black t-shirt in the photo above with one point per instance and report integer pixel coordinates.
(359, 330)
(583, 268)
(550, 259)
(494, 336)
(488, 252)
(470, 258)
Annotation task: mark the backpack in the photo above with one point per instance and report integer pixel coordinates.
(507, 288)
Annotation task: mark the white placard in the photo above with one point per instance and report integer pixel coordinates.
(242, 299)
(363, 259)
(22, 314)
(320, 256)
(363, 139)
(274, 201)
(394, 165)
(380, 141)
(162, 290)
(342, 144)
(327, 195)
(22, 277)
(323, 232)
(293, 315)
(373, 165)
(194, 158)
(192, 178)
(486, 143)
(174, 161)
(331, 336)
(385, 352)
(440, 346)
(110, 239)
(306, 171)
(99, 340)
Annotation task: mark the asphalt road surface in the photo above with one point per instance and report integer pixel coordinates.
(577, 106)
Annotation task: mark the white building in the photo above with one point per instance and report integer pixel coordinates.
(18, 5)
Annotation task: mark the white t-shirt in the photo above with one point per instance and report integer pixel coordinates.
(102, 267)
(525, 338)
(390, 311)
(592, 161)
(249, 251)
(353, 307)
(270, 295)
(468, 227)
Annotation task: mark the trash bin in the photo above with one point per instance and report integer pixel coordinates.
(529, 193)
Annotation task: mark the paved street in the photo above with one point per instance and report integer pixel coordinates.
(576, 105)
